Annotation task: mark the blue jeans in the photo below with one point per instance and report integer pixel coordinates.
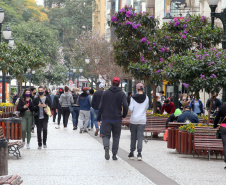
(75, 115)
(95, 120)
(91, 118)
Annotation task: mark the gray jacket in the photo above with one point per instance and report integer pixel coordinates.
(66, 99)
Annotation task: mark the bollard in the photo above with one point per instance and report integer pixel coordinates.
(3, 157)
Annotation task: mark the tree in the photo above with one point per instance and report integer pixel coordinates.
(204, 69)
(143, 49)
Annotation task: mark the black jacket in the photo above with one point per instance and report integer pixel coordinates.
(216, 104)
(111, 104)
(15, 98)
(21, 108)
(96, 99)
(56, 104)
(171, 118)
(36, 102)
(221, 114)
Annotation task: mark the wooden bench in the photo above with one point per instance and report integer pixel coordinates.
(155, 125)
(205, 142)
(11, 179)
(13, 147)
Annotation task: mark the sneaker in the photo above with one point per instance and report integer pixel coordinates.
(85, 131)
(139, 157)
(225, 167)
(28, 146)
(107, 156)
(131, 155)
(96, 133)
(74, 128)
(89, 129)
(58, 127)
(114, 158)
(65, 128)
(81, 130)
(44, 146)
(39, 147)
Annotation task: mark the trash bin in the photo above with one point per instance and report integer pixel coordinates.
(3, 157)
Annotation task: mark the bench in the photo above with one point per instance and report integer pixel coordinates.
(13, 147)
(11, 179)
(155, 125)
(205, 142)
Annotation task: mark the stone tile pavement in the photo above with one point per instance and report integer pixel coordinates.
(73, 158)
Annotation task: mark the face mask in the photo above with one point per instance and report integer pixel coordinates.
(188, 98)
(184, 98)
(34, 94)
(167, 105)
(40, 93)
(27, 95)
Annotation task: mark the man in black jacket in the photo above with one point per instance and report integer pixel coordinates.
(95, 105)
(41, 118)
(110, 109)
(216, 103)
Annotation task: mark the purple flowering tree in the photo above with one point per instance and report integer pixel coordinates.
(200, 70)
(143, 49)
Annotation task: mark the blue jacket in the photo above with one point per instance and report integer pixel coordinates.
(84, 102)
(188, 115)
(192, 104)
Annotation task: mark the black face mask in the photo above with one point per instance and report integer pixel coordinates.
(34, 94)
(40, 93)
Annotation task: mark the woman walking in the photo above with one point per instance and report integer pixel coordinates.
(197, 106)
(65, 101)
(75, 107)
(25, 108)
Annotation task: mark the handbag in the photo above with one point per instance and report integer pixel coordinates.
(48, 111)
(218, 134)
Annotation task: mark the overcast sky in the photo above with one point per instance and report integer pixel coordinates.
(39, 2)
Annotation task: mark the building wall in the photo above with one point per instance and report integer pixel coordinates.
(99, 17)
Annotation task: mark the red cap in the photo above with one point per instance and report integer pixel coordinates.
(85, 89)
(61, 90)
(116, 79)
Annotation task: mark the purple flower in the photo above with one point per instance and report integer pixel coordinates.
(143, 60)
(119, 24)
(185, 32)
(123, 51)
(152, 16)
(114, 18)
(134, 26)
(184, 36)
(186, 85)
(166, 48)
(159, 71)
(184, 26)
(138, 25)
(176, 23)
(181, 33)
(128, 23)
(128, 13)
(170, 65)
(167, 37)
(162, 50)
(150, 48)
(144, 39)
(122, 10)
(149, 42)
(161, 59)
(134, 15)
(200, 45)
(213, 76)
(202, 77)
(138, 68)
(144, 12)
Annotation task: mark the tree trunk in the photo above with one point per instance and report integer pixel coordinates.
(211, 104)
(154, 98)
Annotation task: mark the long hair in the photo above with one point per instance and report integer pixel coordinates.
(23, 95)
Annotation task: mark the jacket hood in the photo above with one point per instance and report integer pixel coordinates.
(115, 89)
(139, 98)
(83, 95)
(65, 95)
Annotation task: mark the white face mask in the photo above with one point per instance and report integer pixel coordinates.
(184, 98)
(188, 98)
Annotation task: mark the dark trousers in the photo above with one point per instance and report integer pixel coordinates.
(42, 125)
(54, 116)
(59, 116)
(115, 128)
(223, 136)
(137, 131)
(75, 115)
(65, 114)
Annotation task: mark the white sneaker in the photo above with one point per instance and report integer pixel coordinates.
(65, 128)
(28, 146)
(44, 146)
(39, 147)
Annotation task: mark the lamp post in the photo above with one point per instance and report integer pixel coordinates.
(80, 70)
(87, 61)
(167, 18)
(222, 16)
(31, 74)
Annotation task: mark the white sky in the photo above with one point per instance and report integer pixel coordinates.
(39, 2)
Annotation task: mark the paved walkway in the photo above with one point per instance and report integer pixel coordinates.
(73, 158)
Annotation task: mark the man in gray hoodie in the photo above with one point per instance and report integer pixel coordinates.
(65, 101)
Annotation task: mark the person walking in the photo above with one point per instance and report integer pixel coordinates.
(110, 109)
(65, 101)
(15, 97)
(138, 106)
(58, 106)
(197, 106)
(84, 102)
(95, 105)
(25, 108)
(41, 118)
(91, 117)
(222, 114)
(75, 107)
(33, 93)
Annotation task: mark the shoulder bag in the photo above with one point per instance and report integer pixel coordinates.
(218, 134)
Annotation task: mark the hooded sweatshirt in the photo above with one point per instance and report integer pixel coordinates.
(84, 101)
(111, 104)
(138, 106)
(66, 100)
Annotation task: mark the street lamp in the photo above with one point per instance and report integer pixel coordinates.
(7, 32)
(167, 18)
(11, 42)
(222, 17)
(87, 60)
